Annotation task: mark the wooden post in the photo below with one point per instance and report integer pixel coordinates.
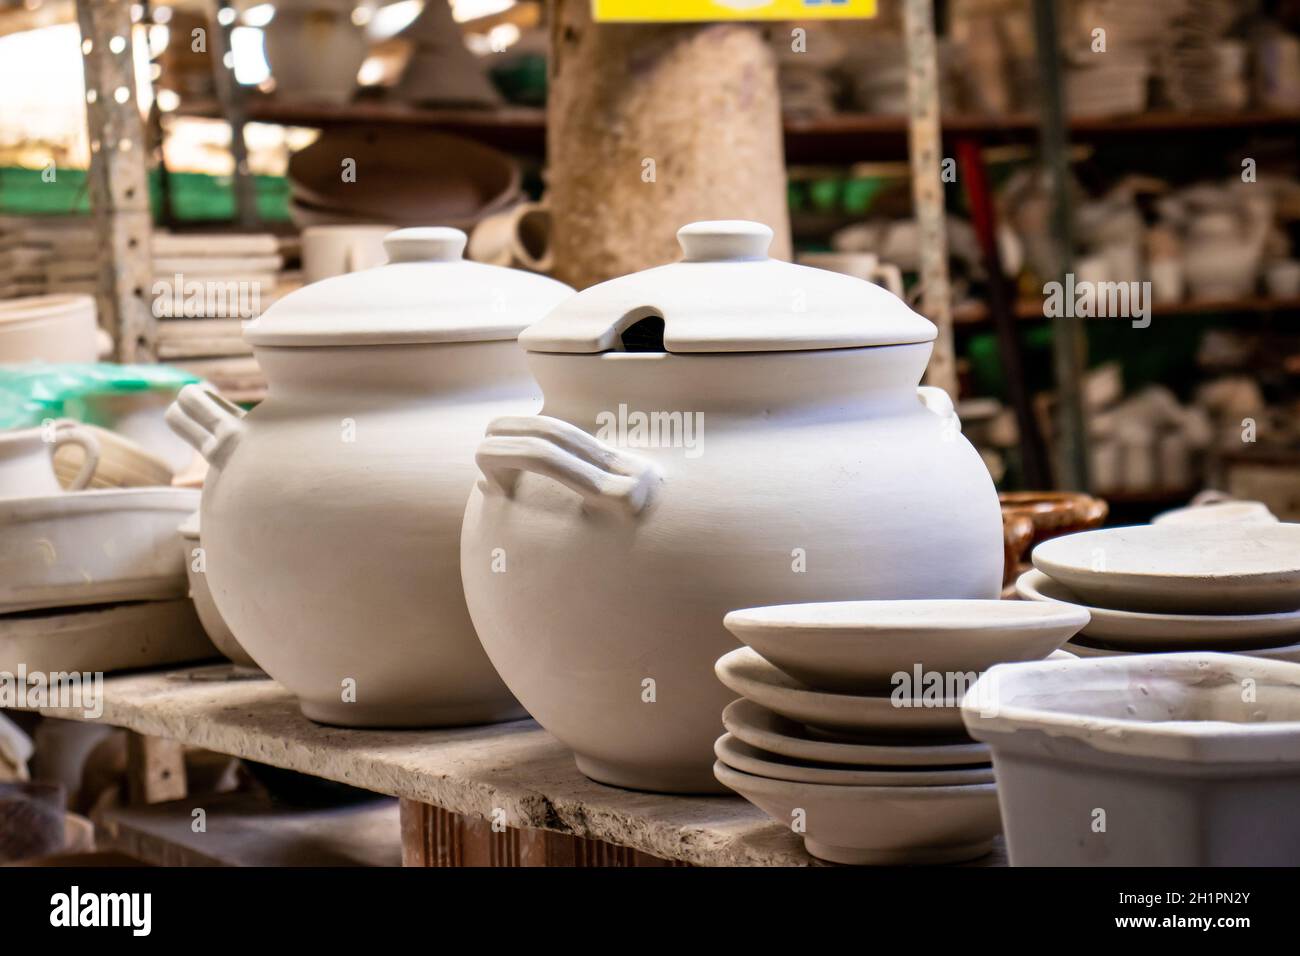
(119, 188)
(650, 127)
(925, 146)
(155, 769)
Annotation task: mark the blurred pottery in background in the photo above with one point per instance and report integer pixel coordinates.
(517, 238)
(314, 52)
(337, 250)
(122, 462)
(48, 328)
(861, 265)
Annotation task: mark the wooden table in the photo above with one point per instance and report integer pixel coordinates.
(499, 795)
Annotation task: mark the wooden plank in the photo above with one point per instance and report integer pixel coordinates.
(155, 769)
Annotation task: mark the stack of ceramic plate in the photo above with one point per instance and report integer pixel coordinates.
(1178, 585)
(27, 248)
(850, 728)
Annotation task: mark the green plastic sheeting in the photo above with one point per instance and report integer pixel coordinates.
(30, 394)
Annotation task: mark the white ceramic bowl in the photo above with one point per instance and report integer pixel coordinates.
(1150, 631)
(1287, 653)
(880, 826)
(92, 547)
(767, 730)
(858, 646)
(881, 717)
(1215, 568)
(739, 755)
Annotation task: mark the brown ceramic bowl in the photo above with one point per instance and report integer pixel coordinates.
(1017, 536)
(1055, 512)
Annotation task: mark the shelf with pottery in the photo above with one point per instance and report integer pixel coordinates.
(512, 772)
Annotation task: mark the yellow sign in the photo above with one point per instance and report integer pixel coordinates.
(680, 11)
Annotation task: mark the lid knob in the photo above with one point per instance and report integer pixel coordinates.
(724, 240)
(425, 244)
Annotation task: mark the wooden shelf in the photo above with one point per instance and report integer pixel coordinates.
(843, 137)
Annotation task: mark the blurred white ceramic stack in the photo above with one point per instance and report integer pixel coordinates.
(1219, 577)
(849, 729)
(28, 247)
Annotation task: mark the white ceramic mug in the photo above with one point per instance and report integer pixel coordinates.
(27, 459)
(337, 250)
(862, 265)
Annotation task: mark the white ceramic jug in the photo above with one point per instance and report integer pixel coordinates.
(331, 513)
(726, 432)
(27, 459)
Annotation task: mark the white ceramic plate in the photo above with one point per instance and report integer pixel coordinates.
(741, 756)
(1209, 568)
(748, 674)
(858, 646)
(762, 728)
(1289, 653)
(92, 547)
(1141, 631)
(1254, 512)
(878, 826)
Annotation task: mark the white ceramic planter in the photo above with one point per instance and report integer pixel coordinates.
(598, 565)
(1145, 760)
(331, 514)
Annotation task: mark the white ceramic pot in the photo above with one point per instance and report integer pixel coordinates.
(314, 53)
(1187, 759)
(48, 328)
(331, 513)
(196, 571)
(599, 560)
(27, 460)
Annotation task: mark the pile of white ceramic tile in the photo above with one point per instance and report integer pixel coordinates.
(850, 732)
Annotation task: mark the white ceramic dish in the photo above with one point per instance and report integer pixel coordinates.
(858, 646)
(1215, 568)
(1288, 653)
(746, 672)
(739, 755)
(115, 638)
(1250, 512)
(878, 826)
(1148, 631)
(92, 547)
(1194, 759)
(767, 730)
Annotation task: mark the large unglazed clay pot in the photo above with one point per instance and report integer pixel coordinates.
(725, 432)
(331, 514)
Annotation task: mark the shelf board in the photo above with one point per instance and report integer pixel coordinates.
(841, 137)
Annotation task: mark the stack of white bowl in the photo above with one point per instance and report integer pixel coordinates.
(850, 728)
(1222, 577)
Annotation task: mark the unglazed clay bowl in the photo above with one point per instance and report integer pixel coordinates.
(1054, 513)
(1084, 647)
(878, 826)
(1189, 759)
(1149, 631)
(860, 646)
(1180, 568)
(768, 730)
(1250, 512)
(887, 716)
(739, 755)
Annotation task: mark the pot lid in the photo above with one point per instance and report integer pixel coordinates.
(426, 293)
(726, 295)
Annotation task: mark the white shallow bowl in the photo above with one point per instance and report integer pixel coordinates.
(878, 826)
(92, 547)
(1210, 568)
(762, 728)
(858, 646)
(739, 755)
(1288, 653)
(1151, 631)
(1241, 511)
(746, 672)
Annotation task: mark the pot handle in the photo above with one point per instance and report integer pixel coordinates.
(68, 432)
(608, 479)
(207, 421)
(938, 401)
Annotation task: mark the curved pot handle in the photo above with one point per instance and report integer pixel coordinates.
(608, 479)
(207, 421)
(937, 401)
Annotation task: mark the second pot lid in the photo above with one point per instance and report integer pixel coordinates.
(427, 293)
(726, 295)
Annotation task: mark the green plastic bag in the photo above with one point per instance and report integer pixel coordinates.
(32, 393)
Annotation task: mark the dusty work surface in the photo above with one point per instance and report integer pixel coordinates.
(515, 767)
